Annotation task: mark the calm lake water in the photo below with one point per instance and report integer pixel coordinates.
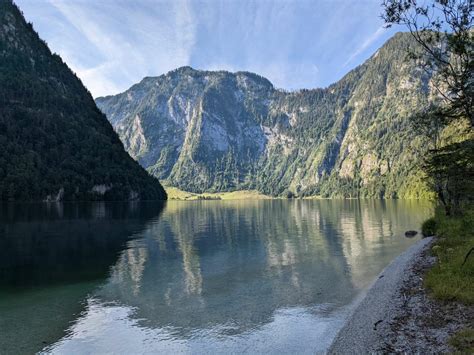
(195, 277)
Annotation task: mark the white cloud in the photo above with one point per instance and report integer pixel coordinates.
(366, 44)
(113, 44)
(97, 79)
(129, 42)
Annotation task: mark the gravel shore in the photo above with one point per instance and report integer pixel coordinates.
(367, 328)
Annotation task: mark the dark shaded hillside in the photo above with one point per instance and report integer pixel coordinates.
(55, 143)
(231, 131)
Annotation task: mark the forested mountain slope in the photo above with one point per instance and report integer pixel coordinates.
(218, 131)
(55, 143)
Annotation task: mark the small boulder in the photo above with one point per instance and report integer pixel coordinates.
(410, 234)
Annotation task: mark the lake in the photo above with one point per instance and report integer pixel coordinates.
(274, 276)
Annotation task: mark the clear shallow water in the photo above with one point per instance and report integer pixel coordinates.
(198, 277)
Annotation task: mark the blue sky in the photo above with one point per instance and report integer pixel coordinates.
(112, 44)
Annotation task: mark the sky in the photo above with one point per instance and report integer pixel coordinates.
(296, 44)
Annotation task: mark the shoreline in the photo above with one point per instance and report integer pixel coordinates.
(365, 331)
(176, 194)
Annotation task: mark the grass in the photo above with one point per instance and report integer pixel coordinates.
(176, 194)
(452, 278)
(463, 341)
(449, 279)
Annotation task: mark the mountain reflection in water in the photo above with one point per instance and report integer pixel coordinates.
(241, 276)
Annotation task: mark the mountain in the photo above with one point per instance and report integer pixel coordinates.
(218, 131)
(55, 143)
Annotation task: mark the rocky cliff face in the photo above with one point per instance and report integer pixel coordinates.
(55, 143)
(218, 131)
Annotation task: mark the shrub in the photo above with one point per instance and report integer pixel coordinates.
(428, 228)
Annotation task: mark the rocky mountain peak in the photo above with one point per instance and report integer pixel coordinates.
(235, 131)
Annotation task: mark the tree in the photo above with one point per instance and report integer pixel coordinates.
(453, 167)
(443, 32)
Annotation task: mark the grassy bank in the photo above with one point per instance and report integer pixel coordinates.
(452, 277)
(449, 279)
(176, 194)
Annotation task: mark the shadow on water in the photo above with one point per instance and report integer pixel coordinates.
(51, 257)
